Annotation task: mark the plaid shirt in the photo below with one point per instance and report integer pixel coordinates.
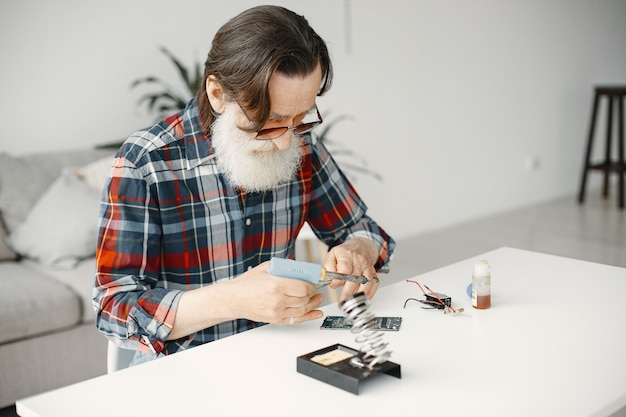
(170, 222)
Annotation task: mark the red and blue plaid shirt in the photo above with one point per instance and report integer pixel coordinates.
(171, 222)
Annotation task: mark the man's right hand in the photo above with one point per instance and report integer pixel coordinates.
(255, 295)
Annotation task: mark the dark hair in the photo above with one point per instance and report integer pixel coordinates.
(250, 47)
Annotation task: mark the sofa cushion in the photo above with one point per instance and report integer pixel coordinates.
(62, 226)
(80, 279)
(96, 173)
(23, 179)
(32, 303)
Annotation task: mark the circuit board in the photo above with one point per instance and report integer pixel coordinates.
(382, 323)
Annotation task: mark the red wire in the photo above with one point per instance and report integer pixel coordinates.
(418, 284)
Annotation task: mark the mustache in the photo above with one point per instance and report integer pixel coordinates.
(262, 146)
(254, 165)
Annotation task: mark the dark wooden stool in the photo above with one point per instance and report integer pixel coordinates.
(614, 94)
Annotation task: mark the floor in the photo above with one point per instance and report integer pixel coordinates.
(594, 231)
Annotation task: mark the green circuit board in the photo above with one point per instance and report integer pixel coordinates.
(382, 323)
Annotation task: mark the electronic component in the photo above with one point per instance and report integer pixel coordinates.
(382, 323)
(438, 300)
(435, 300)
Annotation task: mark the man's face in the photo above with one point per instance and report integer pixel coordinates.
(258, 165)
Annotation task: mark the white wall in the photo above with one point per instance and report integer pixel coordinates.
(449, 98)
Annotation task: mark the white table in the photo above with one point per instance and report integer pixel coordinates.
(552, 344)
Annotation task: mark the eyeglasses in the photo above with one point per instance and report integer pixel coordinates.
(300, 129)
(275, 132)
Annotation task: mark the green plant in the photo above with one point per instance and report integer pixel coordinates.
(168, 100)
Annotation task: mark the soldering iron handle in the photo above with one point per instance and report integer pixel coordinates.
(288, 268)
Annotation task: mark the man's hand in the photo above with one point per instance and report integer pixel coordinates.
(356, 256)
(269, 299)
(255, 295)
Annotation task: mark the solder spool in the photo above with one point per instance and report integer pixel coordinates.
(345, 367)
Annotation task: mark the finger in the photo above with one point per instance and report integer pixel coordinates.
(315, 301)
(343, 262)
(370, 273)
(351, 288)
(311, 315)
(297, 309)
(295, 287)
(297, 315)
(336, 283)
(342, 259)
(370, 289)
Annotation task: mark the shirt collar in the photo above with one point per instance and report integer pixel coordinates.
(197, 144)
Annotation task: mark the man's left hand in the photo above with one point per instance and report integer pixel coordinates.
(356, 256)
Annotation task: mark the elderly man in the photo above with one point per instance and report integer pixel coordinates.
(196, 205)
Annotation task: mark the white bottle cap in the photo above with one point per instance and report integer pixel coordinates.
(481, 268)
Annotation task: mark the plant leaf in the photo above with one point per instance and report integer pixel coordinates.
(146, 80)
(360, 169)
(153, 98)
(182, 70)
(325, 127)
(198, 78)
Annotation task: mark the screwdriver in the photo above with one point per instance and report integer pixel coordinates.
(306, 271)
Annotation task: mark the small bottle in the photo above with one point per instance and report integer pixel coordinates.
(481, 286)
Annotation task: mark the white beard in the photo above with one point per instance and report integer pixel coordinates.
(254, 165)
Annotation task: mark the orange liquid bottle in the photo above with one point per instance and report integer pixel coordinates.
(481, 286)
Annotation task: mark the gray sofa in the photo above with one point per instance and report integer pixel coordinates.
(48, 225)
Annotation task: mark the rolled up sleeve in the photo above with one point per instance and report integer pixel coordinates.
(130, 309)
(337, 213)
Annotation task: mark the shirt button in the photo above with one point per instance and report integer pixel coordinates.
(248, 221)
(249, 267)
